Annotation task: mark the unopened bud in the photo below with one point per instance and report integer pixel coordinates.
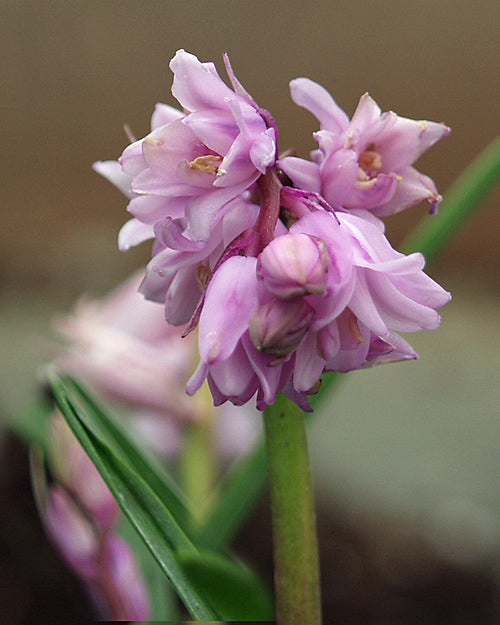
(294, 265)
(276, 328)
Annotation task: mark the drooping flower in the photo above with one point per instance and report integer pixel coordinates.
(365, 162)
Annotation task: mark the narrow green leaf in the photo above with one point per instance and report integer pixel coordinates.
(144, 510)
(162, 597)
(118, 439)
(460, 202)
(232, 589)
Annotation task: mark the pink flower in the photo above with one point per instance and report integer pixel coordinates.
(122, 346)
(193, 162)
(365, 162)
(180, 268)
(328, 295)
(357, 318)
(102, 559)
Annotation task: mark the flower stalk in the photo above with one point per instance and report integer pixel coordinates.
(295, 547)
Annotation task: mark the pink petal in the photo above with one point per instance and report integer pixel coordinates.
(304, 174)
(214, 128)
(269, 377)
(366, 115)
(372, 193)
(412, 189)
(308, 364)
(320, 103)
(230, 299)
(164, 114)
(182, 296)
(263, 150)
(399, 312)
(195, 86)
(132, 233)
(112, 170)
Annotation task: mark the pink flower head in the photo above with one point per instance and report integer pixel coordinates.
(195, 161)
(328, 295)
(285, 279)
(122, 347)
(365, 162)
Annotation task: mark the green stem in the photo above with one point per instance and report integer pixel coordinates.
(296, 564)
(461, 200)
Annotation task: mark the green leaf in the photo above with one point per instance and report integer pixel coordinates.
(240, 488)
(147, 514)
(115, 435)
(162, 598)
(232, 589)
(460, 201)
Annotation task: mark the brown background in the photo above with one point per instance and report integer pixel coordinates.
(397, 442)
(74, 72)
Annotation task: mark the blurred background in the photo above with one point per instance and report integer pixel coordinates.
(406, 458)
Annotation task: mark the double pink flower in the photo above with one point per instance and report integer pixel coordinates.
(284, 263)
(365, 162)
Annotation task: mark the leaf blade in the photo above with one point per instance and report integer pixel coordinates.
(141, 506)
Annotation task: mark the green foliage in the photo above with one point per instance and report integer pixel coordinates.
(206, 582)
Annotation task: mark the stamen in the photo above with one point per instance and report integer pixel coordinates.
(370, 161)
(208, 163)
(202, 275)
(352, 324)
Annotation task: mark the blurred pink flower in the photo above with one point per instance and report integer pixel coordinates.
(122, 347)
(80, 516)
(365, 162)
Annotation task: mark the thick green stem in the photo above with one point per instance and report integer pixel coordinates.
(296, 565)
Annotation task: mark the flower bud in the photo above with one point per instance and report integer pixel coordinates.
(276, 328)
(294, 265)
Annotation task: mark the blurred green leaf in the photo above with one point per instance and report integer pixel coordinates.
(116, 436)
(30, 424)
(240, 488)
(162, 597)
(147, 514)
(234, 591)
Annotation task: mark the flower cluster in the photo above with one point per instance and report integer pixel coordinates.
(282, 262)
